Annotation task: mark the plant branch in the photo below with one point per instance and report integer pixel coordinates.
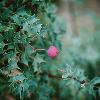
(60, 77)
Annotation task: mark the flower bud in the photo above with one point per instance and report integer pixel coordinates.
(52, 51)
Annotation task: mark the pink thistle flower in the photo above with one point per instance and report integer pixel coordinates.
(52, 51)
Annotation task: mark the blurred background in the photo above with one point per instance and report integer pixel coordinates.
(82, 38)
(81, 42)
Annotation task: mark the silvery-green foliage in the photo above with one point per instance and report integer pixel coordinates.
(24, 38)
(73, 72)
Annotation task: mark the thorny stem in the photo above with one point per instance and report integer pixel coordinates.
(60, 77)
(36, 49)
(40, 49)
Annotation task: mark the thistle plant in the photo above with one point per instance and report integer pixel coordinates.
(29, 46)
(28, 28)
